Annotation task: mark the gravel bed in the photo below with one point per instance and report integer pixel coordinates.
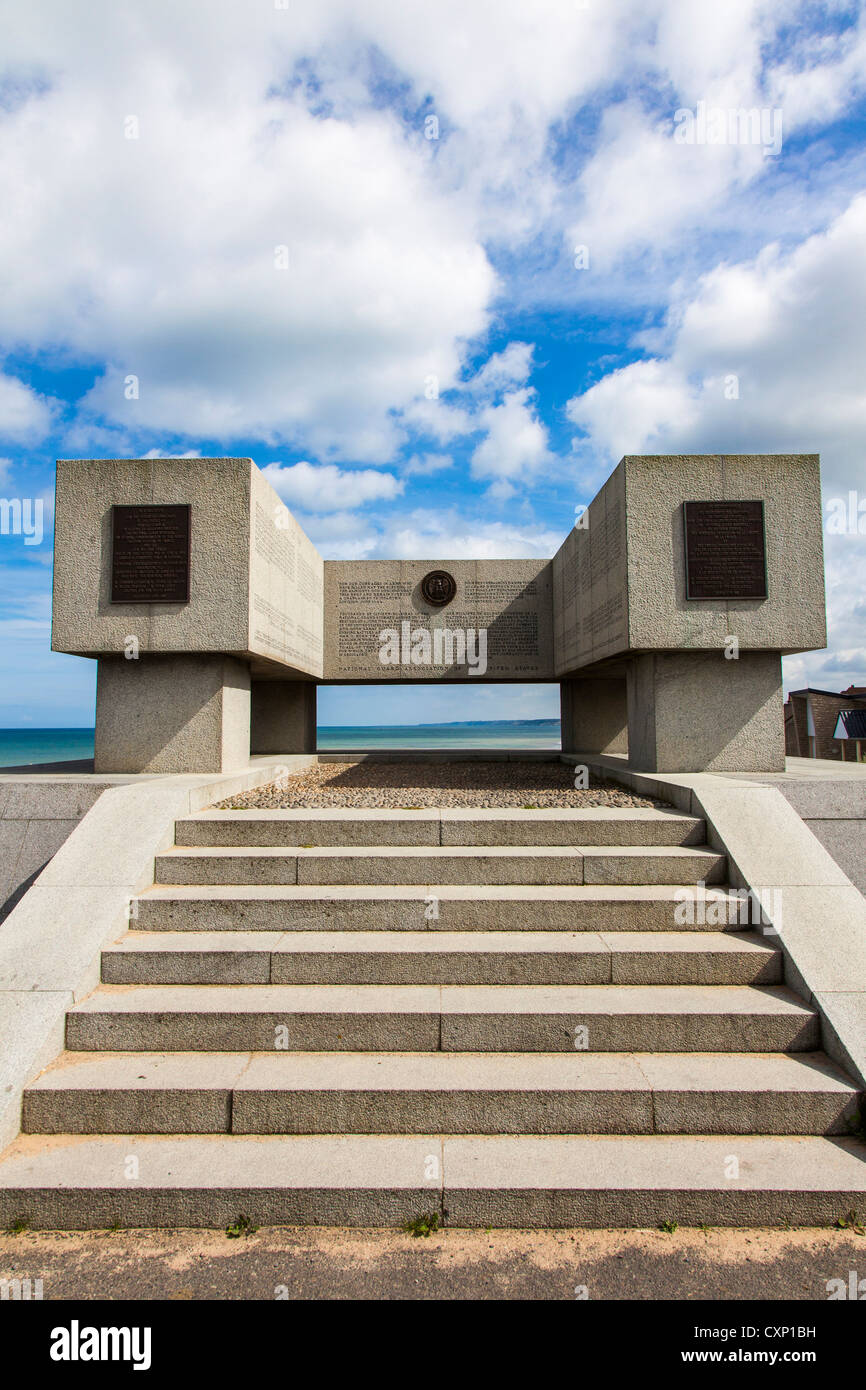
(529, 785)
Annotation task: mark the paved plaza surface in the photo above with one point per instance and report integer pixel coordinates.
(333, 1263)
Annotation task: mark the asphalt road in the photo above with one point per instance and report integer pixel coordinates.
(321, 1264)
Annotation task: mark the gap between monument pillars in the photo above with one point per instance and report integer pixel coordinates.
(172, 714)
(593, 715)
(701, 712)
(283, 717)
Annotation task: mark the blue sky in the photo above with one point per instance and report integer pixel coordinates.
(346, 240)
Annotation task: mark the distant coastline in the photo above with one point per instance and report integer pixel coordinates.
(534, 734)
(475, 723)
(19, 747)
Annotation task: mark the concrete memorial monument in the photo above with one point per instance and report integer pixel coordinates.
(688, 580)
(663, 616)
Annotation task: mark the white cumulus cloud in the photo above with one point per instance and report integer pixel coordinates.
(328, 488)
(25, 416)
(516, 443)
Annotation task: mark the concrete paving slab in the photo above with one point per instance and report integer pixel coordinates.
(256, 1018)
(31, 1035)
(724, 958)
(824, 932)
(213, 960)
(501, 864)
(52, 940)
(843, 1015)
(130, 1093)
(453, 1093)
(443, 907)
(80, 1182)
(77, 1183)
(333, 957)
(799, 1093)
(624, 1018)
(645, 865)
(767, 842)
(603, 1180)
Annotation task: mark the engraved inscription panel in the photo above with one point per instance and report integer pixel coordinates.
(509, 600)
(725, 550)
(285, 586)
(591, 579)
(150, 553)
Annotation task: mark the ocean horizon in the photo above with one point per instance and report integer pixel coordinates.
(534, 734)
(22, 747)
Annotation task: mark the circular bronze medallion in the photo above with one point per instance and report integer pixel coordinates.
(438, 588)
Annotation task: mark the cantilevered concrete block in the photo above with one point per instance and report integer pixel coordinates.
(255, 580)
(619, 579)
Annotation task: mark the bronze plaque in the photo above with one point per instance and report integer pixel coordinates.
(438, 588)
(726, 554)
(150, 550)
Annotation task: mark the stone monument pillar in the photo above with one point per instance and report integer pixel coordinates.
(593, 715)
(283, 717)
(172, 714)
(690, 711)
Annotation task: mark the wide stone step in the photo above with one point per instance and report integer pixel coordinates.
(451, 1018)
(77, 1183)
(245, 958)
(439, 907)
(452, 1093)
(595, 825)
(410, 864)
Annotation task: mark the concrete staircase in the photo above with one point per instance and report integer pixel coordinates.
(359, 1017)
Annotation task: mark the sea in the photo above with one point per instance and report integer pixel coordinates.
(536, 734)
(20, 747)
(23, 747)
